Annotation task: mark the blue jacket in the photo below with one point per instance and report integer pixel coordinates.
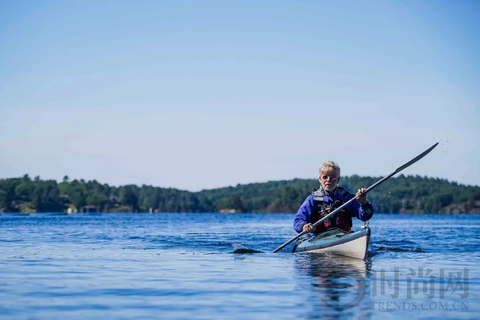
(310, 206)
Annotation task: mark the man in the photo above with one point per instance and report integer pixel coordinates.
(326, 199)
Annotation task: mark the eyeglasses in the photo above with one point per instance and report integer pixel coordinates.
(332, 178)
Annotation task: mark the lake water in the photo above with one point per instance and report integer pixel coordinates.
(183, 266)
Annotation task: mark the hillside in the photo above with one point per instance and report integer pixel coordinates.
(402, 194)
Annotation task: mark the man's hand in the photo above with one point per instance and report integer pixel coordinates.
(307, 227)
(362, 196)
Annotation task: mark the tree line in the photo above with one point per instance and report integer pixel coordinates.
(402, 194)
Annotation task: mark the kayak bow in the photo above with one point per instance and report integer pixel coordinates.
(337, 241)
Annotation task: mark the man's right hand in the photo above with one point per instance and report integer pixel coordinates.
(307, 227)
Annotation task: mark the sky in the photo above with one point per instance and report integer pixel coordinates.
(204, 94)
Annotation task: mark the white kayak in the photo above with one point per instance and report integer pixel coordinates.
(337, 241)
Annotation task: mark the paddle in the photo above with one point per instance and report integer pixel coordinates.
(406, 165)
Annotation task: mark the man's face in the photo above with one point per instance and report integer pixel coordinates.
(329, 181)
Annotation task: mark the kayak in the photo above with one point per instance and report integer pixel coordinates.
(337, 241)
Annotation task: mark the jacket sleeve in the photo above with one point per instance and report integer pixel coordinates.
(304, 213)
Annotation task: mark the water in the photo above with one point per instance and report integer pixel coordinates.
(182, 266)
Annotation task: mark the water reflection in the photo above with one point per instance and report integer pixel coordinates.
(340, 285)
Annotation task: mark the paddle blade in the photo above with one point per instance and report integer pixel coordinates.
(238, 248)
(420, 156)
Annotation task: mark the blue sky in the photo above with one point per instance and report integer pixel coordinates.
(204, 94)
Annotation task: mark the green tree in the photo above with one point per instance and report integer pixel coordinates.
(77, 198)
(3, 200)
(128, 197)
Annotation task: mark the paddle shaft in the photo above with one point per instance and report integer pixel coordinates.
(376, 184)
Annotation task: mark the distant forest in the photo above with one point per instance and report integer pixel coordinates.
(402, 194)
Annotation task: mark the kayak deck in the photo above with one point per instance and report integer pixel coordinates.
(336, 241)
